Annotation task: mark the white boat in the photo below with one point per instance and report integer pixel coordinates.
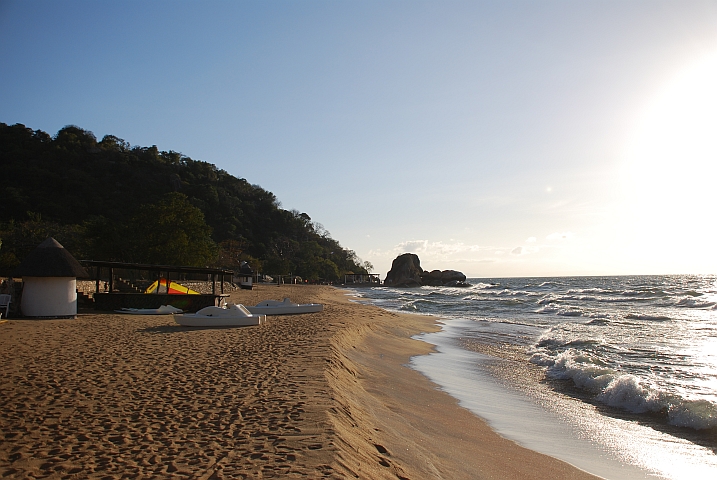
(163, 310)
(234, 315)
(287, 307)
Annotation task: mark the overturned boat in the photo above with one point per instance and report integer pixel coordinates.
(286, 307)
(233, 315)
(162, 310)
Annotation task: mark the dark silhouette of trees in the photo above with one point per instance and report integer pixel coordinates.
(172, 232)
(109, 200)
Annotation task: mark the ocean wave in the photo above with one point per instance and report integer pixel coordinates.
(657, 318)
(626, 391)
(409, 307)
(630, 393)
(646, 292)
(582, 298)
(551, 298)
(519, 293)
(691, 302)
(590, 290)
(563, 312)
(586, 371)
(547, 299)
(443, 293)
(628, 299)
(697, 414)
(558, 339)
(419, 305)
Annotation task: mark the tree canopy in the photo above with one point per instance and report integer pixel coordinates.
(109, 200)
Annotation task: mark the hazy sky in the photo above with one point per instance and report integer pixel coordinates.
(496, 138)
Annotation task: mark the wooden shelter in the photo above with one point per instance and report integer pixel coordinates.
(132, 297)
(362, 279)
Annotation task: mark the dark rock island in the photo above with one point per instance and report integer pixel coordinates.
(406, 271)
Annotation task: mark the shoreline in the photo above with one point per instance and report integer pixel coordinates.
(322, 395)
(430, 434)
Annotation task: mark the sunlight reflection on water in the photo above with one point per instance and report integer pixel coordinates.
(558, 426)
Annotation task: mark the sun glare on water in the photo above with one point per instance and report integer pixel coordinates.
(670, 176)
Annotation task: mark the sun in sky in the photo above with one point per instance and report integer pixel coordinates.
(669, 176)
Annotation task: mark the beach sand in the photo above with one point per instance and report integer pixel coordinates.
(321, 395)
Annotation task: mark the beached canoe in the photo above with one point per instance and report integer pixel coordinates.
(163, 310)
(287, 307)
(234, 315)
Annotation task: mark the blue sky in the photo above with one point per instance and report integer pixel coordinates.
(495, 138)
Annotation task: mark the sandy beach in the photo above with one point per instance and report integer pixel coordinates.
(113, 396)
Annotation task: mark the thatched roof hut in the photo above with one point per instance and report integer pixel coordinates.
(49, 275)
(50, 259)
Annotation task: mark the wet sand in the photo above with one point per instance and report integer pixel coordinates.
(321, 395)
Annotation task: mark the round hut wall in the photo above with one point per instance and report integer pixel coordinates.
(49, 297)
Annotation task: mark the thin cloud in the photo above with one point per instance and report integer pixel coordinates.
(434, 248)
(426, 249)
(560, 236)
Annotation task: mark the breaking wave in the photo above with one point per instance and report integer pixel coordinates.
(626, 391)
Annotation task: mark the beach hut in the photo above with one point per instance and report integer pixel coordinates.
(49, 276)
(245, 276)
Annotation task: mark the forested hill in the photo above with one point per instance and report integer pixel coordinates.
(108, 200)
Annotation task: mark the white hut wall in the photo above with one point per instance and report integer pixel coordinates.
(49, 296)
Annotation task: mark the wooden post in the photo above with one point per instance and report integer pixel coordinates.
(112, 274)
(97, 279)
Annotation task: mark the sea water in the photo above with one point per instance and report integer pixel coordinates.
(616, 375)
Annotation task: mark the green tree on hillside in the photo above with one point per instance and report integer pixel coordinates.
(172, 232)
(21, 238)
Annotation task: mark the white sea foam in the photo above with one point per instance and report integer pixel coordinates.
(562, 311)
(584, 370)
(547, 299)
(691, 302)
(588, 290)
(697, 414)
(626, 391)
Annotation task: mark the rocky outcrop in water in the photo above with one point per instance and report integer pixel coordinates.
(406, 271)
(440, 278)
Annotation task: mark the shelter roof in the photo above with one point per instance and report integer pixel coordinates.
(156, 268)
(50, 259)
